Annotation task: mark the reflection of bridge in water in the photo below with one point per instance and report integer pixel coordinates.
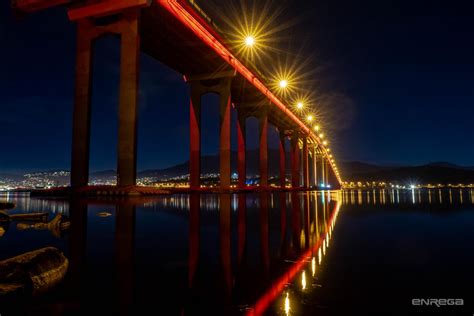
(179, 34)
(409, 198)
(292, 234)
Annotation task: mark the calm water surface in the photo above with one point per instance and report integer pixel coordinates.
(316, 253)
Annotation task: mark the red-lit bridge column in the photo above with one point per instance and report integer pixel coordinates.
(241, 149)
(315, 166)
(219, 83)
(195, 138)
(263, 125)
(305, 163)
(295, 161)
(282, 160)
(323, 170)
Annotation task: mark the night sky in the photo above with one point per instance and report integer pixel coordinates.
(401, 75)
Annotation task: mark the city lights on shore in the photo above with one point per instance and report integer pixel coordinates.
(299, 105)
(310, 118)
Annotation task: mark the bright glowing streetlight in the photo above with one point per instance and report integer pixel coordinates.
(316, 128)
(283, 83)
(249, 41)
(300, 105)
(321, 135)
(325, 143)
(310, 118)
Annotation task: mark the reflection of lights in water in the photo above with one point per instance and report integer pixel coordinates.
(313, 266)
(302, 239)
(413, 195)
(440, 196)
(319, 256)
(303, 280)
(429, 196)
(324, 248)
(287, 304)
(460, 195)
(450, 197)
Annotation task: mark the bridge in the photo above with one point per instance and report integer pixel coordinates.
(179, 34)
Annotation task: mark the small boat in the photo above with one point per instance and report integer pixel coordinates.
(32, 273)
(104, 214)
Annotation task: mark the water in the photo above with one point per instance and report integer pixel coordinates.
(339, 253)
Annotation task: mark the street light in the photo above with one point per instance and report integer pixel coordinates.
(316, 128)
(300, 105)
(283, 83)
(309, 118)
(321, 135)
(249, 41)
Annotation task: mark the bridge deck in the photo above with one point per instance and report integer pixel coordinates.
(169, 41)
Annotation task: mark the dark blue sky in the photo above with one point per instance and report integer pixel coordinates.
(403, 73)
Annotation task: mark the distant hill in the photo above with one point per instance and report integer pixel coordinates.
(210, 164)
(439, 172)
(433, 172)
(436, 172)
(103, 174)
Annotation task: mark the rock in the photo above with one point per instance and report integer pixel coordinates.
(32, 273)
(35, 217)
(4, 217)
(56, 226)
(6, 205)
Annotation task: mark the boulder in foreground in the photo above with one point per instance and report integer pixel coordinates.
(32, 273)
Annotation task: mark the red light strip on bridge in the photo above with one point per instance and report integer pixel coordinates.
(279, 285)
(182, 14)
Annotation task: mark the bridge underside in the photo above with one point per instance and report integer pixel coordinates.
(167, 40)
(163, 34)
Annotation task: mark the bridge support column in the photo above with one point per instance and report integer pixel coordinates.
(295, 161)
(128, 28)
(129, 71)
(82, 106)
(219, 83)
(328, 173)
(282, 160)
(224, 151)
(195, 138)
(263, 124)
(323, 171)
(241, 150)
(305, 163)
(314, 166)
